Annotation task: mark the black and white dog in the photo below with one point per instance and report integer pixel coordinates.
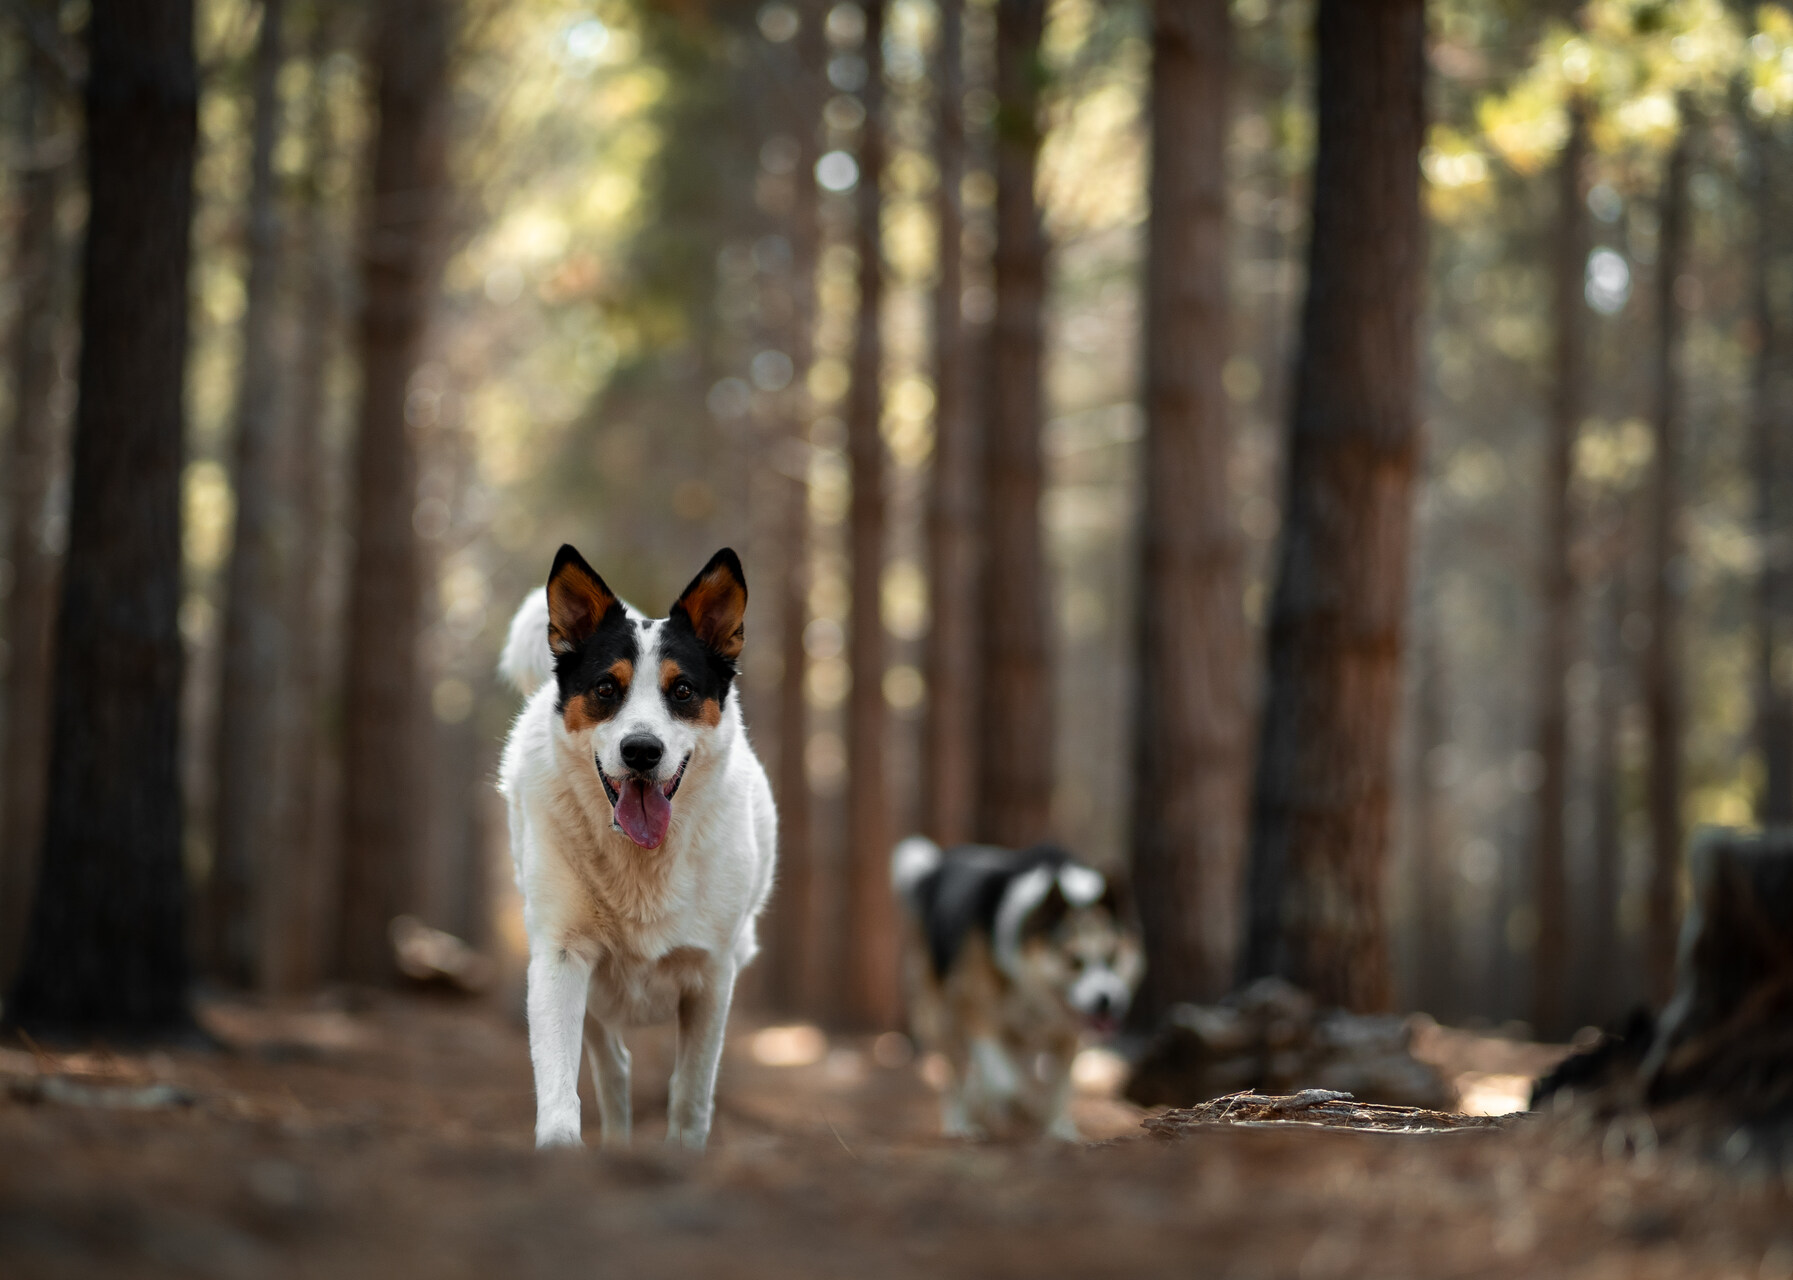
(642, 831)
(1013, 955)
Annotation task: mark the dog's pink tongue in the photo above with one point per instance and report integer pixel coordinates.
(643, 812)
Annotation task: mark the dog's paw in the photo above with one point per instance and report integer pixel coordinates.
(557, 1136)
(688, 1138)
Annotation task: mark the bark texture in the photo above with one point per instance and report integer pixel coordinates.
(30, 471)
(107, 949)
(1015, 732)
(1321, 797)
(381, 758)
(1550, 874)
(245, 837)
(949, 747)
(795, 978)
(1662, 660)
(1771, 457)
(1189, 698)
(872, 995)
(294, 935)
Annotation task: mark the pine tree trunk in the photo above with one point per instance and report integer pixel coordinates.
(791, 931)
(1601, 917)
(949, 747)
(1770, 456)
(383, 741)
(107, 950)
(1550, 875)
(1015, 730)
(1189, 699)
(293, 937)
(1434, 899)
(1662, 661)
(30, 468)
(246, 840)
(872, 996)
(1320, 803)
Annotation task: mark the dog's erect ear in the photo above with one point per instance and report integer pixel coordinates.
(716, 604)
(577, 601)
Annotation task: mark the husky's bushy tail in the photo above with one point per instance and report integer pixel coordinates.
(527, 662)
(912, 861)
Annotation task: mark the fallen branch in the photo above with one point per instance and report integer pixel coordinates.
(1315, 1108)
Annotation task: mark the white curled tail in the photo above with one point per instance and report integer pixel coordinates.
(912, 861)
(527, 662)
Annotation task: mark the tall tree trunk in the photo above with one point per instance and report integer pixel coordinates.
(795, 980)
(1434, 899)
(253, 658)
(1601, 919)
(1015, 729)
(381, 758)
(30, 471)
(1550, 874)
(1769, 459)
(1320, 804)
(1662, 661)
(872, 997)
(949, 747)
(1189, 749)
(293, 937)
(107, 950)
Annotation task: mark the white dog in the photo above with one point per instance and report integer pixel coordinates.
(642, 829)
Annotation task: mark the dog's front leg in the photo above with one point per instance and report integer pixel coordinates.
(558, 981)
(703, 1018)
(610, 1081)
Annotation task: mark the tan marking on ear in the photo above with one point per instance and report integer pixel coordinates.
(717, 607)
(577, 603)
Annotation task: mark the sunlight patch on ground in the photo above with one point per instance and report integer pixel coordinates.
(798, 1045)
(1486, 1094)
(1100, 1071)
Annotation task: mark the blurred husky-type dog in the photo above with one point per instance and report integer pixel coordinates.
(1013, 956)
(642, 831)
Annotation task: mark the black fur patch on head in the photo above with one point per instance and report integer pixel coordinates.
(702, 637)
(590, 634)
(682, 659)
(964, 893)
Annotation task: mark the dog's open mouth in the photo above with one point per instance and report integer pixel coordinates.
(641, 808)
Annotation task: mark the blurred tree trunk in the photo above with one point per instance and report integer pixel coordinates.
(246, 840)
(1662, 660)
(1769, 459)
(293, 936)
(1600, 920)
(1320, 805)
(30, 469)
(1015, 739)
(949, 748)
(1189, 749)
(1550, 884)
(1434, 899)
(872, 997)
(383, 742)
(107, 949)
(795, 970)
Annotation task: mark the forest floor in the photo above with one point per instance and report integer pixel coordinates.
(394, 1139)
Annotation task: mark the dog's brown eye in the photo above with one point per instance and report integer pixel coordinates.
(607, 688)
(681, 692)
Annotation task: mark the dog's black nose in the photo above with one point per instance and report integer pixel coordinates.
(1104, 1005)
(641, 752)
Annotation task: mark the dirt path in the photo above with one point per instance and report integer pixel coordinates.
(396, 1141)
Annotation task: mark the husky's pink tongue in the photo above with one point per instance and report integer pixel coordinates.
(643, 812)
